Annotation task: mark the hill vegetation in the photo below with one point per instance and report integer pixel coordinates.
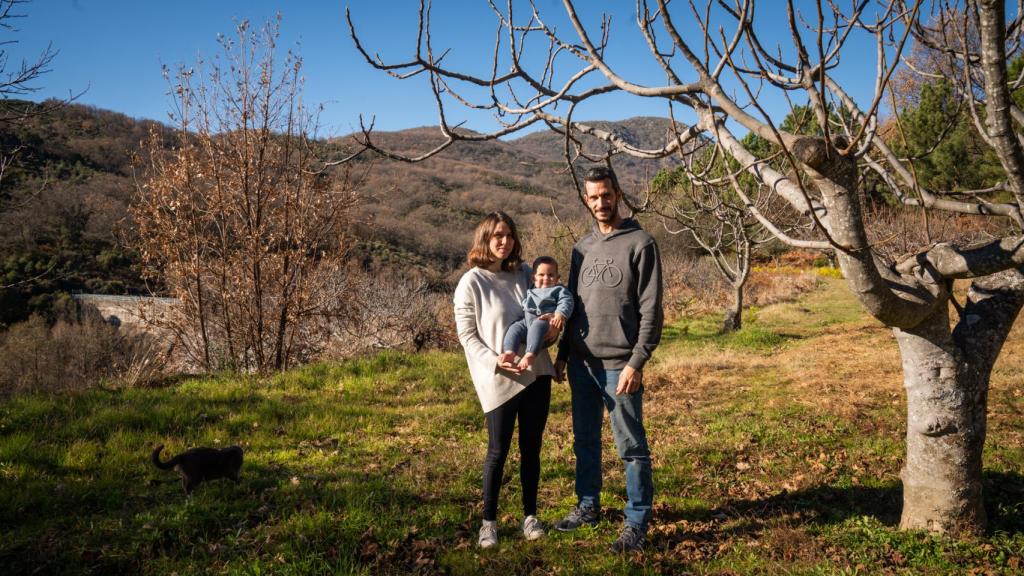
(423, 213)
(63, 203)
(65, 198)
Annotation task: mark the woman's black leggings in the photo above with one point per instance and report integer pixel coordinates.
(531, 408)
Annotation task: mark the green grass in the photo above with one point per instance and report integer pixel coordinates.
(373, 466)
(706, 330)
(765, 330)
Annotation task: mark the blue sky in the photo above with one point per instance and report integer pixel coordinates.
(114, 50)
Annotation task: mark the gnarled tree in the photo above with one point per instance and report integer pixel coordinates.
(716, 218)
(719, 71)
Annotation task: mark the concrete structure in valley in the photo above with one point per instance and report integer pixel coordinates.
(128, 311)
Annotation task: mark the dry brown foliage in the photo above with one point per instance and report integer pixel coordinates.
(553, 235)
(923, 66)
(766, 287)
(693, 286)
(895, 231)
(240, 221)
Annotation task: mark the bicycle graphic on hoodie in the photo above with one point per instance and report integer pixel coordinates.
(604, 271)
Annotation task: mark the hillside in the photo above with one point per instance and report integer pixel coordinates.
(646, 132)
(63, 200)
(426, 210)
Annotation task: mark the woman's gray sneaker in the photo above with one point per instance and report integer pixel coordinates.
(577, 517)
(488, 534)
(630, 539)
(532, 528)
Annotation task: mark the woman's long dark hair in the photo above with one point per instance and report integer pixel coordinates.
(480, 253)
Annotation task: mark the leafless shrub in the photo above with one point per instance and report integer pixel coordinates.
(547, 235)
(895, 232)
(693, 286)
(74, 354)
(767, 287)
(147, 361)
(388, 310)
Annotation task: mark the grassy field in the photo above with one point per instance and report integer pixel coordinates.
(776, 450)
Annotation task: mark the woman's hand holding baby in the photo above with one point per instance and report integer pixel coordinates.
(507, 361)
(557, 321)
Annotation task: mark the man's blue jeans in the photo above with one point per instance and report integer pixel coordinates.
(593, 391)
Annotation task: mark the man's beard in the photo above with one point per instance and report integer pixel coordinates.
(607, 216)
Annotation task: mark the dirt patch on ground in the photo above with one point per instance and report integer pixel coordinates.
(845, 370)
(693, 378)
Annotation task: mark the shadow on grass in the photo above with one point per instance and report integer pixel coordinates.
(1004, 501)
(820, 505)
(333, 520)
(829, 505)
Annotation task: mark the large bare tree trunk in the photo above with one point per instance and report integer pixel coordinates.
(945, 431)
(946, 386)
(947, 377)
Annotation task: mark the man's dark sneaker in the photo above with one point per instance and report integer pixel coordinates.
(631, 539)
(577, 517)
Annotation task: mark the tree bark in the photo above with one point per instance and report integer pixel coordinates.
(998, 101)
(946, 405)
(734, 316)
(947, 378)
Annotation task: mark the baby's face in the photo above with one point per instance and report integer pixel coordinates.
(545, 276)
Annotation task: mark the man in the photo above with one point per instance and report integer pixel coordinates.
(615, 276)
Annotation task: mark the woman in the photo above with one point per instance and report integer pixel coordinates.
(487, 302)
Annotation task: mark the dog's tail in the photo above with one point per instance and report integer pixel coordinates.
(162, 465)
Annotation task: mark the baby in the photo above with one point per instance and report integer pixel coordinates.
(548, 303)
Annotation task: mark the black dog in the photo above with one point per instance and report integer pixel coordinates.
(198, 464)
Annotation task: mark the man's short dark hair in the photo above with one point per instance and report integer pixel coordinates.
(600, 174)
(550, 261)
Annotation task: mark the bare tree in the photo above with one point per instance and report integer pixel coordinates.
(17, 79)
(719, 73)
(241, 221)
(392, 312)
(719, 223)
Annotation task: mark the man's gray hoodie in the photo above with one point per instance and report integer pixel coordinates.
(616, 279)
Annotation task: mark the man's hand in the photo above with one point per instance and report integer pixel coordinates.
(630, 380)
(553, 329)
(560, 371)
